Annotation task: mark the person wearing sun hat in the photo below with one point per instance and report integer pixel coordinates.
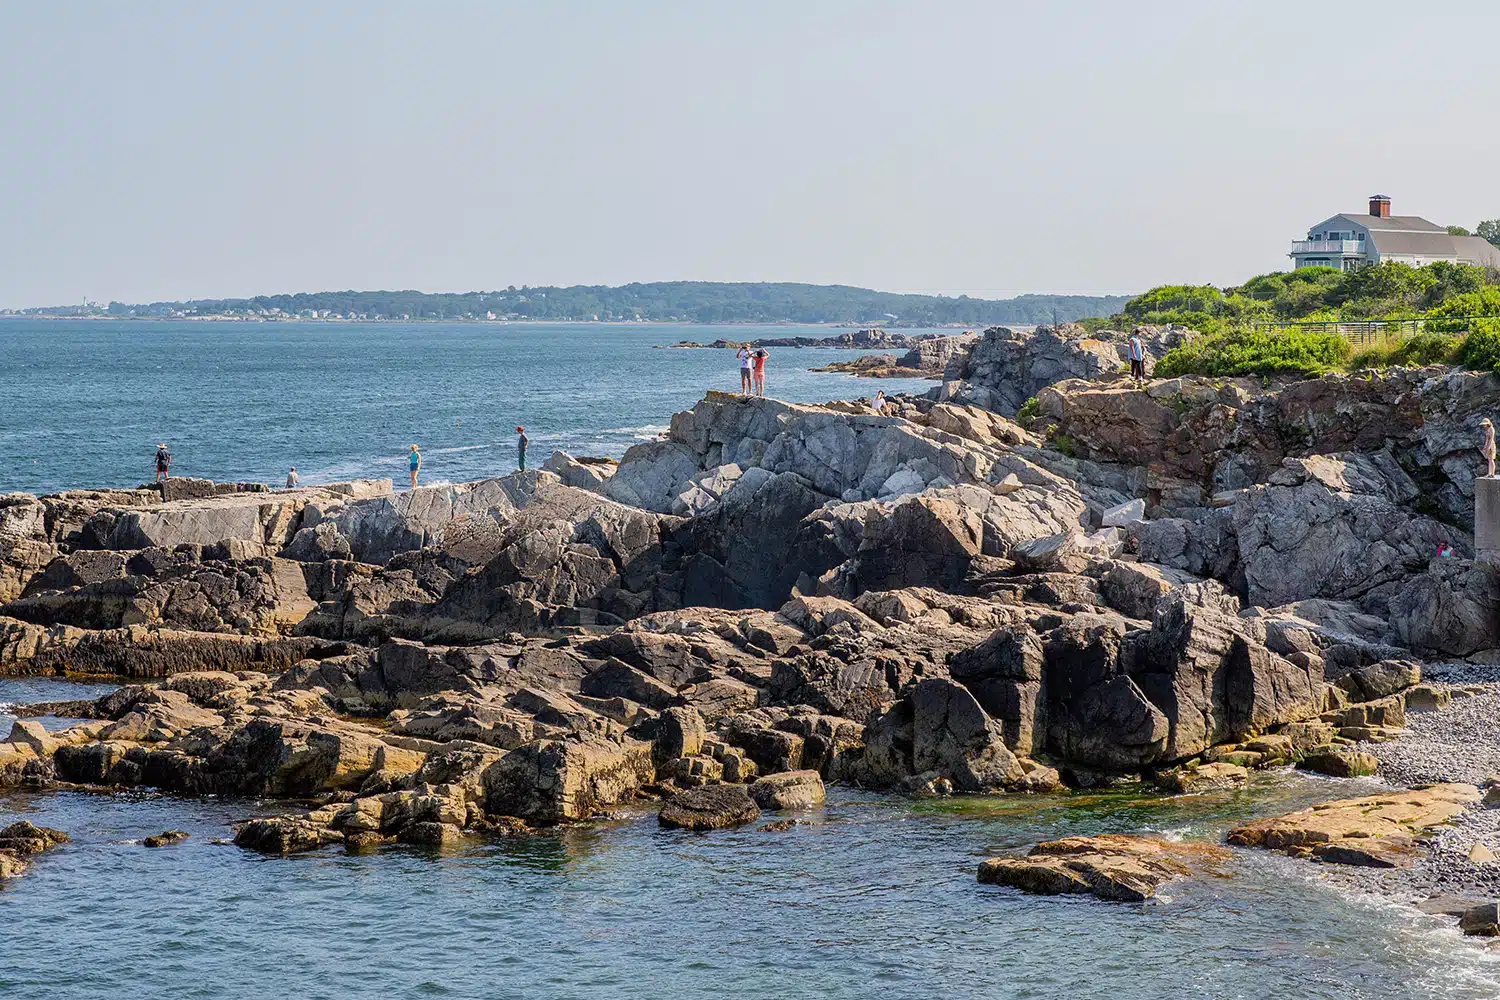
(521, 444)
(163, 462)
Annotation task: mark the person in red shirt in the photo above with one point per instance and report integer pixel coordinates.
(760, 370)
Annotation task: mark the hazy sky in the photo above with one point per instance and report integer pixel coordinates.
(163, 151)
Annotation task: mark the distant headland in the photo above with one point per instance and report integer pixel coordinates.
(655, 302)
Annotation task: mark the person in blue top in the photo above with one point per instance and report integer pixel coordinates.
(416, 464)
(1137, 358)
(521, 443)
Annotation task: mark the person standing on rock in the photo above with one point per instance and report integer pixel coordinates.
(1137, 358)
(415, 462)
(761, 354)
(745, 364)
(1487, 445)
(521, 443)
(163, 462)
(292, 479)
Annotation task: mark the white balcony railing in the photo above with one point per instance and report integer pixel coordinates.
(1328, 246)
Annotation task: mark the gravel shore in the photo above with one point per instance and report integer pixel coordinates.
(1458, 743)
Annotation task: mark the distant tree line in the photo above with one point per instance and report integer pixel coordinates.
(665, 301)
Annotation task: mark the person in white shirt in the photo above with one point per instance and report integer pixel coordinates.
(292, 479)
(880, 403)
(744, 356)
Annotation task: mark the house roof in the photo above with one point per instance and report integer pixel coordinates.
(1428, 244)
(1393, 223)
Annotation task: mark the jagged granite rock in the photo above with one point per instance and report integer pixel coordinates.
(583, 473)
(1213, 678)
(938, 729)
(1453, 608)
(1136, 589)
(1007, 367)
(552, 781)
(1206, 547)
(1298, 538)
(838, 453)
(375, 529)
(188, 588)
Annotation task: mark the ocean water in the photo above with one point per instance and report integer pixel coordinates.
(870, 897)
(866, 897)
(87, 402)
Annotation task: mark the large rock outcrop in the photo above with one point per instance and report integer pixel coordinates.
(1006, 367)
(842, 455)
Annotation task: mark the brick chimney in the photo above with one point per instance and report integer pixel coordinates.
(1380, 206)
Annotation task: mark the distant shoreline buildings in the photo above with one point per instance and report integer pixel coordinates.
(696, 302)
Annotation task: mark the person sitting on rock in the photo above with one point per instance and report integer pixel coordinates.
(164, 462)
(292, 479)
(880, 402)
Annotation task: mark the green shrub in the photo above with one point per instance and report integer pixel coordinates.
(1481, 348)
(1064, 444)
(1426, 349)
(1449, 317)
(1248, 352)
(1167, 299)
(1027, 413)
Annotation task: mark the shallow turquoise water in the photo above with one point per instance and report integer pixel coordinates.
(872, 897)
(87, 402)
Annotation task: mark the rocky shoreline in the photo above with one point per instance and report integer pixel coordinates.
(1180, 582)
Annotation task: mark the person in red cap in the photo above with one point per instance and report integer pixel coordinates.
(521, 448)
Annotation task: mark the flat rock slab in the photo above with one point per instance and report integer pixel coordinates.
(1377, 831)
(709, 807)
(1110, 866)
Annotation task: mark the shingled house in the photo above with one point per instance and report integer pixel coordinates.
(1351, 241)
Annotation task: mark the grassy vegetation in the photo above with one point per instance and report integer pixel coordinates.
(1383, 291)
(1246, 352)
(1447, 297)
(1413, 352)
